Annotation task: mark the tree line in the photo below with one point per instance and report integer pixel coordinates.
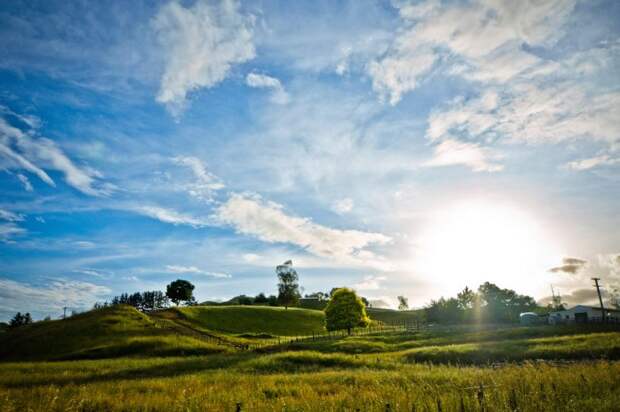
(489, 303)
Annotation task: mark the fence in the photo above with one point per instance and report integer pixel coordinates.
(337, 334)
(262, 343)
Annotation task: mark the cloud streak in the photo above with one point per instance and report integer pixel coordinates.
(267, 221)
(50, 298)
(262, 81)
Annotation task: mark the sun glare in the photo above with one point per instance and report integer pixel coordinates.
(472, 242)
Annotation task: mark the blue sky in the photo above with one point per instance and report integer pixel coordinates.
(395, 147)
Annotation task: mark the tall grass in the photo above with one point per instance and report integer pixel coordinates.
(285, 382)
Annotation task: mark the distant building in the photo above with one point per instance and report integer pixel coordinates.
(529, 318)
(583, 314)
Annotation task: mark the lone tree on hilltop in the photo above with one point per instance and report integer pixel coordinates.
(180, 291)
(345, 310)
(288, 288)
(403, 303)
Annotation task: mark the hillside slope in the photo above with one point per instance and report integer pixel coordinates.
(255, 319)
(391, 316)
(103, 333)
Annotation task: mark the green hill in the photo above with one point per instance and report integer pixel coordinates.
(254, 319)
(103, 333)
(390, 316)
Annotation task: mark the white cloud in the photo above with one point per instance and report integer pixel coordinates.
(251, 215)
(206, 183)
(10, 230)
(201, 44)
(343, 206)
(196, 271)
(593, 162)
(24, 150)
(26, 182)
(278, 96)
(170, 216)
(399, 72)
(485, 36)
(10, 216)
(370, 282)
(48, 299)
(452, 152)
(94, 272)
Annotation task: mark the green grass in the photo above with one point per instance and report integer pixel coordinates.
(519, 368)
(304, 381)
(104, 333)
(255, 319)
(390, 316)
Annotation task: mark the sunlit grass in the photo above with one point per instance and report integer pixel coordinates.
(470, 368)
(304, 381)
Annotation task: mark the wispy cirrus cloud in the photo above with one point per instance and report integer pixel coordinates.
(453, 152)
(205, 184)
(201, 43)
(593, 162)
(48, 298)
(263, 81)
(28, 151)
(267, 221)
(193, 270)
(167, 215)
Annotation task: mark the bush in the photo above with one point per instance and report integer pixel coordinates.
(345, 310)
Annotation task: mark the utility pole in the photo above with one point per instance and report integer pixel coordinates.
(64, 312)
(600, 299)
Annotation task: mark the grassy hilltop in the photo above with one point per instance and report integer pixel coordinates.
(103, 333)
(255, 319)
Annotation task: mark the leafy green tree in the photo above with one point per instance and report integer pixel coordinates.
(403, 303)
(288, 288)
(180, 291)
(261, 299)
(503, 305)
(20, 320)
(444, 311)
(345, 310)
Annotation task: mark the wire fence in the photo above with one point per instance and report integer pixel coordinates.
(258, 343)
(378, 328)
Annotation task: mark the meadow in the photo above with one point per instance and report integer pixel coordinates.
(460, 368)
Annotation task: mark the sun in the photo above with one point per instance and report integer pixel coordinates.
(476, 241)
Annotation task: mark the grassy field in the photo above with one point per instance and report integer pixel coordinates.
(255, 319)
(466, 368)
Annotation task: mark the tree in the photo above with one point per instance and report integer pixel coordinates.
(152, 300)
(261, 299)
(503, 305)
(444, 311)
(288, 288)
(345, 310)
(180, 291)
(20, 320)
(403, 303)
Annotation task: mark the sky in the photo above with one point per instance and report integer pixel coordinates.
(398, 148)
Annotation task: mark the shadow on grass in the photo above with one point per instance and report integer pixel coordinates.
(166, 370)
